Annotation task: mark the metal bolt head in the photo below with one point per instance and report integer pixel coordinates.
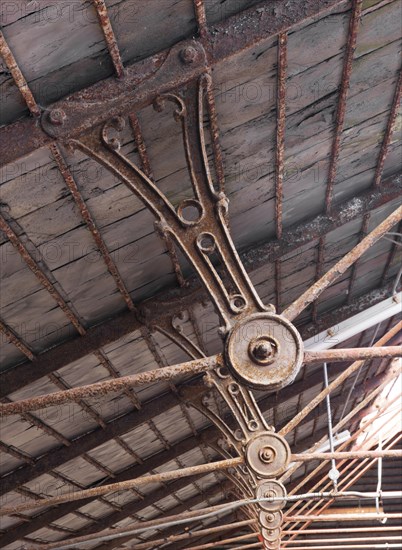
(263, 350)
(188, 55)
(267, 454)
(57, 117)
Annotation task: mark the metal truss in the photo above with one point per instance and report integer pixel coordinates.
(262, 349)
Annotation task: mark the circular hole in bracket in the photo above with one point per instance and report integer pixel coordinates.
(237, 303)
(234, 389)
(190, 211)
(206, 243)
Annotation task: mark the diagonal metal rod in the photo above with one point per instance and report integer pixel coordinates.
(388, 132)
(109, 35)
(343, 93)
(351, 354)
(201, 469)
(40, 275)
(333, 474)
(18, 77)
(124, 485)
(335, 383)
(117, 384)
(195, 534)
(170, 372)
(343, 265)
(91, 224)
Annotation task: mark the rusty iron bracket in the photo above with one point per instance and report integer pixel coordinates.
(142, 83)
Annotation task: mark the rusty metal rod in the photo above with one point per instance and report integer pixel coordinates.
(388, 132)
(109, 35)
(18, 77)
(17, 342)
(340, 267)
(124, 485)
(142, 526)
(340, 455)
(335, 383)
(40, 275)
(352, 354)
(90, 221)
(195, 534)
(341, 109)
(280, 129)
(117, 384)
(338, 427)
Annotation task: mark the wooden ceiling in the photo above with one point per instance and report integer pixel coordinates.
(86, 278)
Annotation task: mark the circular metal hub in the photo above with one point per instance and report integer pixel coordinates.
(271, 489)
(264, 351)
(270, 520)
(268, 454)
(271, 535)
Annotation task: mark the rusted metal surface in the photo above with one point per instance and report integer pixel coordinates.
(109, 35)
(125, 323)
(332, 355)
(125, 485)
(200, 234)
(18, 77)
(257, 23)
(340, 267)
(388, 132)
(40, 275)
(336, 383)
(89, 220)
(214, 130)
(69, 351)
(149, 79)
(114, 385)
(201, 18)
(280, 129)
(14, 339)
(341, 109)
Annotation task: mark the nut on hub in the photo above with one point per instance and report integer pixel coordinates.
(270, 520)
(268, 455)
(271, 535)
(264, 351)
